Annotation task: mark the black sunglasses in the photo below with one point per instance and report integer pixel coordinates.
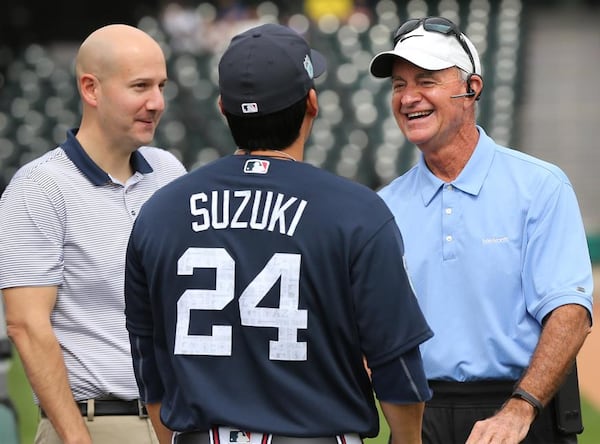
(435, 24)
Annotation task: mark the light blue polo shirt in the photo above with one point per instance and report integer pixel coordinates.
(490, 255)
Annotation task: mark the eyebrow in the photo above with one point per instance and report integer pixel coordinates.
(426, 74)
(420, 75)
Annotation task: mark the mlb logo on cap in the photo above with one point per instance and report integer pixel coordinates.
(256, 166)
(249, 108)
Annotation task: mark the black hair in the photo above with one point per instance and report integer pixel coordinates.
(273, 131)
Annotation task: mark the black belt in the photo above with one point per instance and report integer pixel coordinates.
(472, 387)
(484, 390)
(111, 407)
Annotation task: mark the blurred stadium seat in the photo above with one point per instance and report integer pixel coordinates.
(355, 134)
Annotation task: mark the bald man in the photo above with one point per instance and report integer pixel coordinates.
(65, 219)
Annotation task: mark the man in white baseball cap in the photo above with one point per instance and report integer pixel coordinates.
(496, 251)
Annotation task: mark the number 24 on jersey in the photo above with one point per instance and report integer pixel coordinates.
(287, 318)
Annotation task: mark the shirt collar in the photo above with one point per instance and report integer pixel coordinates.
(471, 178)
(89, 168)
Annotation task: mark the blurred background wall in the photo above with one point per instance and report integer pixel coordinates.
(538, 57)
(540, 61)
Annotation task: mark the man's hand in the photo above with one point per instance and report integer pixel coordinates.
(509, 426)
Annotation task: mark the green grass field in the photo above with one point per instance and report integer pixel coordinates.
(28, 413)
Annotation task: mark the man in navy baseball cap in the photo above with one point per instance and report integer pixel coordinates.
(287, 278)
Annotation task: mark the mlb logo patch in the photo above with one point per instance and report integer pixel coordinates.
(256, 166)
(238, 436)
(250, 108)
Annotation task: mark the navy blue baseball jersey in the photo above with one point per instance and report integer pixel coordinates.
(254, 286)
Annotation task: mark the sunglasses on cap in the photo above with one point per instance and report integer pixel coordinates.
(434, 24)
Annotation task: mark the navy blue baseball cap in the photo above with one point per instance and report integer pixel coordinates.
(266, 69)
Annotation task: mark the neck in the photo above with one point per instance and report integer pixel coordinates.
(115, 162)
(447, 161)
(267, 153)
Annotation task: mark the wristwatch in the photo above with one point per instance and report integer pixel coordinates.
(529, 398)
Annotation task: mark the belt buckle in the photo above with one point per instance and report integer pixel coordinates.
(142, 411)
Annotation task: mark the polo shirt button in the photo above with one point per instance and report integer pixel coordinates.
(448, 210)
(448, 238)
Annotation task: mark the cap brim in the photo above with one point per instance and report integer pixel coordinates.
(319, 63)
(382, 63)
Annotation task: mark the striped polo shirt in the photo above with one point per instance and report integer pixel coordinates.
(65, 222)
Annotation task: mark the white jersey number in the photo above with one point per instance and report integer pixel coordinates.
(287, 318)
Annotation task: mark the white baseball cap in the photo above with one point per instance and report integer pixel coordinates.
(431, 50)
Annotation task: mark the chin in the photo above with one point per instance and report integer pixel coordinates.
(146, 138)
(417, 137)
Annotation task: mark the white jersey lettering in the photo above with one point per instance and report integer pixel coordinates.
(235, 222)
(254, 223)
(226, 209)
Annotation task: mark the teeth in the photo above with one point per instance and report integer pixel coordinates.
(418, 114)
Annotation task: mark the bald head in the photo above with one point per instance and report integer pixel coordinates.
(110, 48)
(121, 73)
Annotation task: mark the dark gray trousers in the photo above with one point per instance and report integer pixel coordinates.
(455, 407)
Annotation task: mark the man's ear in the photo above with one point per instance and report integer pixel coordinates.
(88, 88)
(220, 104)
(476, 85)
(312, 104)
